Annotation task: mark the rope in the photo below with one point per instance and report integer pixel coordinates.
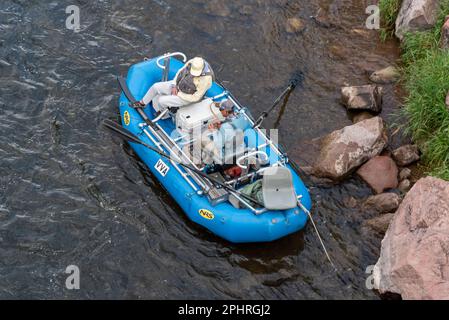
(318, 234)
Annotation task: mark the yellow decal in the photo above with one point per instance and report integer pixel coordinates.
(126, 118)
(206, 214)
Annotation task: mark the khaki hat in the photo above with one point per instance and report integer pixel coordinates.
(196, 66)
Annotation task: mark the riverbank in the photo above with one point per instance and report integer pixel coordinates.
(425, 69)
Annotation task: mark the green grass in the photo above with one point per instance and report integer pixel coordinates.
(425, 74)
(389, 10)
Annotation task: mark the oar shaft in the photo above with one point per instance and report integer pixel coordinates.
(130, 136)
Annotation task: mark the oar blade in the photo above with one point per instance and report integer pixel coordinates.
(125, 89)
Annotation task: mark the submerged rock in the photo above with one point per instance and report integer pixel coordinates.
(294, 25)
(367, 97)
(444, 40)
(386, 75)
(218, 8)
(406, 155)
(380, 224)
(246, 10)
(323, 19)
(364, 115)
(380, 173)
(382, 203)
(416, 15)
(415, 250)
(342, 151)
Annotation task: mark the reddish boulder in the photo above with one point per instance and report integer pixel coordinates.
(342, 151)
(380, 173)
(415, 250)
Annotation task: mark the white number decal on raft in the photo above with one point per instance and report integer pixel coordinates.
(161, 167)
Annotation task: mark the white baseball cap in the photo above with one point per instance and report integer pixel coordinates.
(196, 66)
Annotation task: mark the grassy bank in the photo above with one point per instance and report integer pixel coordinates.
(426, 79)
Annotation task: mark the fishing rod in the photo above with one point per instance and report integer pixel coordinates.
(125, 134)
(287, 91)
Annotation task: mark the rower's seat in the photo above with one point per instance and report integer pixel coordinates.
(277, 189)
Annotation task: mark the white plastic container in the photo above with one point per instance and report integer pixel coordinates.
(196, 115)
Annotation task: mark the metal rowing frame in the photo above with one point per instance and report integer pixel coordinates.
(205, 185)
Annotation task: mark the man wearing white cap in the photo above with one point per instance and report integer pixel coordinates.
(189, 86)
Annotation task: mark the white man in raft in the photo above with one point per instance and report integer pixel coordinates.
(189, 86)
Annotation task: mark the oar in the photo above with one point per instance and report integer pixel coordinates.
(125, 134)
(291, 86)
(132, 102)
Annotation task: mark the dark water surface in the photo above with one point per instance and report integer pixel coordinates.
(72, 194)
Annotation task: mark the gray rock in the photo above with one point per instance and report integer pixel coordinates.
(415, 250)
(342, 151)
(382, 203)
(380, 224)
(405, 174)
(406, 155)
(386, 75)
(404, 185)
(367, 97)
(416, 15)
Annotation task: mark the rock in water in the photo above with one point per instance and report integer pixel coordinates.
(444, 40)
(380, 224)
(368, 97)
(380, 173)
(415, 250)
(294, 25)
(404, 186)
(342, 151)
(218, 8)
(406, 155)
(405, 174)
(387, 75)
(384, 202)
(362, 116)
(416, 15)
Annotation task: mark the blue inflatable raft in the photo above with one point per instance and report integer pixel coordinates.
(236, 220)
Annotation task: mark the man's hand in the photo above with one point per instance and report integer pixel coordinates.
(138, 104)
(214, 126)
(174, 91)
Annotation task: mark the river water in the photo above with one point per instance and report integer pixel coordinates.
(72, 194)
